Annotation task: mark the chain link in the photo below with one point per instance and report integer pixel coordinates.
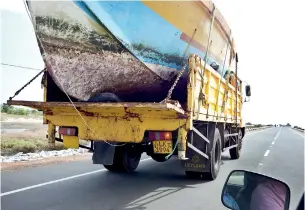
(170, 92)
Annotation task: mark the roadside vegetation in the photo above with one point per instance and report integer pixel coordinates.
(18, 111)
(12, 145)
(297, 127)
(32, 140)
(255, 125)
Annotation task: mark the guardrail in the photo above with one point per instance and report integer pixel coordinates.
(298, 129)
(253, 128)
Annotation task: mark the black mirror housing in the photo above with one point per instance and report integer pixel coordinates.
(248, 90)
(243, 189)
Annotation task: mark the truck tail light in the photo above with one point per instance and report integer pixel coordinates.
(67, 131)
(160, 135)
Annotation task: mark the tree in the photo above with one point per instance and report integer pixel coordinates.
(248, 123)
(288, 125)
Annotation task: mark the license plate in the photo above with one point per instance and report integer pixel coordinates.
(163, 147)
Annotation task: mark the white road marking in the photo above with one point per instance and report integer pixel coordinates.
(275, 138)
(260, 164)
(57, 180)
(297, 132)
(278, 133)
(267, 153)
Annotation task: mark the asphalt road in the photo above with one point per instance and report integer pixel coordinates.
(278, 152)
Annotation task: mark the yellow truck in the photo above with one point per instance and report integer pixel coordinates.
(200, 117)
(122, 131)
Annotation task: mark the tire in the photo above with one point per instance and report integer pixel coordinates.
(104, 97)
(126, 159)
(131, 159)
(235, 152)
(113, 168)
(215, 157)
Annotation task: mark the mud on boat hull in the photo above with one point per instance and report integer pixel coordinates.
(132, 49)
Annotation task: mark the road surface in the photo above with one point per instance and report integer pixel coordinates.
(80, 185)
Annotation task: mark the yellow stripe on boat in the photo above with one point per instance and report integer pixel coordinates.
(195, 15)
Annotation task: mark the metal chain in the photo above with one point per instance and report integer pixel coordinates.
(18, 91)
(170, 92)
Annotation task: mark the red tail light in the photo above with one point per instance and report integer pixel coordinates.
(67, 131)
(160, 135)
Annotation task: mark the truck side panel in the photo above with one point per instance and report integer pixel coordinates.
(219, 99)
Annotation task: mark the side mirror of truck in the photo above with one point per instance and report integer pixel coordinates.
(248, 90)
(243, 189)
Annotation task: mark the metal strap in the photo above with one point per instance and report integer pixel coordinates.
(18, 91)
(232, 134)
(201, 135)
(197, 150)
(230, 147)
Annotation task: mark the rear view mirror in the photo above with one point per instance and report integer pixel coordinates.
(246, 190)
(248, 90)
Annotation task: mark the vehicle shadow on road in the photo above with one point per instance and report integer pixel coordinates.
(151, 182)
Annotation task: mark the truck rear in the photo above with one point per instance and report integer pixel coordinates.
(198, 118)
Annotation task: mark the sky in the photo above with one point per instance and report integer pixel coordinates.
(269, 43)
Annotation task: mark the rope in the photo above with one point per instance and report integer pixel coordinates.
(23, 67)
(219, 83)
(205, 60)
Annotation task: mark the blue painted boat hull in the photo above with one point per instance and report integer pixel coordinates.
(121, 47)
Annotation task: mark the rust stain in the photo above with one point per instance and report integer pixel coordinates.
(49, 112)
(129, 115)
(89, 114)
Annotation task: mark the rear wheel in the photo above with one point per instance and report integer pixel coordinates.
(235, 152)
(126, 159)
(215, 157)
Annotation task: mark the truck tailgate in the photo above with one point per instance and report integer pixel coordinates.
(117, 122)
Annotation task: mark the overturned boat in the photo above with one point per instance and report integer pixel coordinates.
(133, 49)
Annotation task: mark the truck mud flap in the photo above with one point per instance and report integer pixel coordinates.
(199, 149)
(103, 153)
(196, 161)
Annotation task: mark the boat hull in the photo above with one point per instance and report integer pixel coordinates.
(132, 49)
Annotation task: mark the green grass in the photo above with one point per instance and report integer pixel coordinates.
(13, 145)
